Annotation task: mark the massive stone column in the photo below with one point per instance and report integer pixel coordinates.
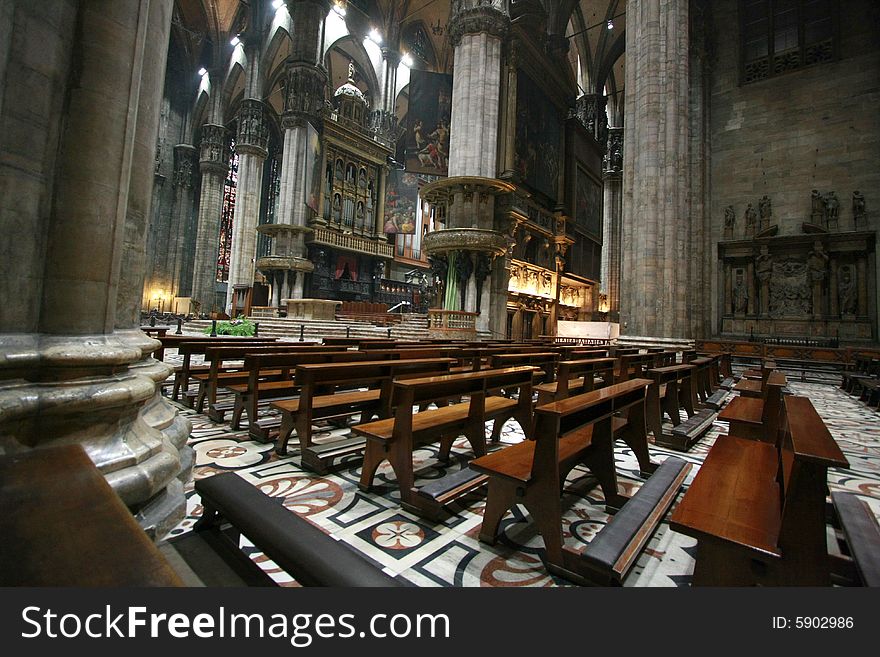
(611, 227)
(73, 365)
(305, 82)
(656, 219)
(213, 163)
(252, 148)
(477, 29)
(185, 165)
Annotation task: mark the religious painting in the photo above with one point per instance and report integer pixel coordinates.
(428, 120)
(401, 199)
(538, 137)
(313, 168)
(588, 204)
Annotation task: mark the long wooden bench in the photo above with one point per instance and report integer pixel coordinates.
(395, 438)
(671, 390)
(575, 377)
(756, 419)
(579, 430)
(224, 368)
(190, 348)
(757, 509)
(376, 399)
(309, 555)
(546, 360)
(632, 366)
(862, 536)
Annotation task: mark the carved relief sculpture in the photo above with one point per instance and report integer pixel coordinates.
(789, 289)
(740, 294)
(817, 263)
(764, 271)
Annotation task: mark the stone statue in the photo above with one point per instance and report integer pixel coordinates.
(817, 211)
(832, 209)
(751, 220)
(858, 208)
(765, 211)
(380, 270)
(764, 265)
(740, 294)
(817, 262)
(846, 291)
(729, 221)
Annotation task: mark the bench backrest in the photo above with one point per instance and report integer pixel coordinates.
(438, 388)
(368, 373)
(200, 346)
(661, 375)
(588, 368)
(560, 418)
(632, 365)
(545, 359)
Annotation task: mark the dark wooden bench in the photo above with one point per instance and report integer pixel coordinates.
(546, 360)
(63, 525)
(394, 439)
(757, 509)
(631, 366)
(579, 430)
(862, 536)
(309, 555)
(224, 368)
(376, 399)
(671, 390)
(575, 377)
(190, 348)
(756, 419)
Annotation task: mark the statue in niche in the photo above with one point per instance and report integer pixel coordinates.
(765, 211)
(729, 221)
(751, 219)
(817, 212)
(380, 270)
(846, 291)
(832, 209)
(858, 208)
(817, 262)
(740, 294)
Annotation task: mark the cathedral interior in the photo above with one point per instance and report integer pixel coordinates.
(693, 183)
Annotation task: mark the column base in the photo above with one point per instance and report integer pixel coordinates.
(101, 391)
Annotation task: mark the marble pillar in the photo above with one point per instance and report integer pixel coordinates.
(252, 148)
(656, 214)
(79, 370)
(185, 166)
(213, 163)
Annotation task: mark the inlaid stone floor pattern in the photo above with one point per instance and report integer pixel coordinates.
(448, 553)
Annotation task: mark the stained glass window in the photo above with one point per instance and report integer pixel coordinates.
(226, 214)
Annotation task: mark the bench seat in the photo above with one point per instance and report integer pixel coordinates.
(746, 409)
(340, 400)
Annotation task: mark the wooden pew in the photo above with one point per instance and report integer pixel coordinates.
(310, 556)
(546, 360)
(63, 525)
(190, 348)
(532, 473)
(631, 366)
(248, 395)
(312, 405)
(394, 439)
(756, 419)
(220, 373)
(862, 537)
(757, 509)
(575, 377)
(671, 390)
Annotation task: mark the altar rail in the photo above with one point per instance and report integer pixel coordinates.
(452, 322)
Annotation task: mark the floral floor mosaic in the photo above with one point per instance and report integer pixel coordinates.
(448, 553)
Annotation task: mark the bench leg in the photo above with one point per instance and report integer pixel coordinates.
(499, 500)
(636, 438)
(239, 408)
(303, 422)
(688, 396)
(600, 460)
(287, 425)
(671, 404)
(446, 447)
(545, 507)
(200, 398)
(374, 454)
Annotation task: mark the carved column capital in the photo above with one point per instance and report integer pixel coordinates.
(612, 164)
(253, 129)
(185, 161)
(475, 16)
(303, 94)
(214, 148)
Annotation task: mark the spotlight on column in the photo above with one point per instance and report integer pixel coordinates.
(277, 4)
(406, 60)
(375, 37)
(339, 9)
(610, 25)
(234, 41)
(202, 72)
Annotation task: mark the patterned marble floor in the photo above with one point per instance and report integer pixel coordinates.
(448, 553)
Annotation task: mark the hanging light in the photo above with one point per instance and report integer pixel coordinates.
(375, 37)
(406, 60)
(277, 4)
(234, 41)
(202, 72)
(610, 25)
